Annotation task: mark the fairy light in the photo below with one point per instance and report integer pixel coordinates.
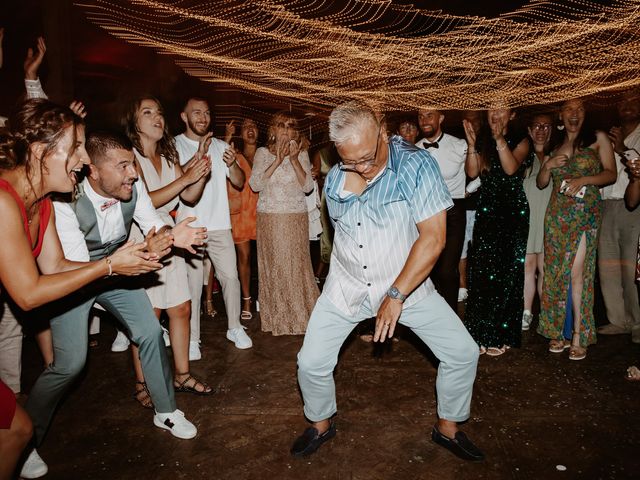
(395, 56)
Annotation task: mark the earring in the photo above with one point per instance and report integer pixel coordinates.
(560, 127)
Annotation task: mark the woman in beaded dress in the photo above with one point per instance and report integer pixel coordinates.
(496, 262)
(579, 166)
(159, 168)
(281, 173)
(540, 131)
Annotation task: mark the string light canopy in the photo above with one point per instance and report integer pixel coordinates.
(322, 52)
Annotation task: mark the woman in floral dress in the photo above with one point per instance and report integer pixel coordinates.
(577, 167)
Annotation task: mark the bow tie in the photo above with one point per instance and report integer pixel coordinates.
(107, 204)
(431, 145)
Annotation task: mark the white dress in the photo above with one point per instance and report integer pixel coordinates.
(167, 287)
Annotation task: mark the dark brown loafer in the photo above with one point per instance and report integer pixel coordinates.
(460, 446)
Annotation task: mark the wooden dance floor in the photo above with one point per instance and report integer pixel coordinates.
(535, 415)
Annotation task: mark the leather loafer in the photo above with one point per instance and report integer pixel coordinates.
(460, 446)
(310, 441)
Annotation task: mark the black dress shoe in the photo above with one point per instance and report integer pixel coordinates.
(460, 446)
(310, 441)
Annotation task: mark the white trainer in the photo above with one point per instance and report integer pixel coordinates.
(527, 318)
(176, 423)
(121, 343)
(34, 466)
(194, 351)
(463, 293)
(239, 337)
(165, 337)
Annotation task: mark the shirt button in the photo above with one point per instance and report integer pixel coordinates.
(360, 246)
(358, 223)
(365, 267)
(368, 284)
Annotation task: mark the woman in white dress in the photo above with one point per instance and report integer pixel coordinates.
(159, 168)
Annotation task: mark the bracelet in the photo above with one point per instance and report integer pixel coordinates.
(472, 152)
(501, 148)
(108, 260)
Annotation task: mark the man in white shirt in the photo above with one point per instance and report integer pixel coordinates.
(617, 244)
(212, 211)
(450, 153)
(91, 227)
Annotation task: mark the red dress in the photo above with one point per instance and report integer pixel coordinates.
(7, 397)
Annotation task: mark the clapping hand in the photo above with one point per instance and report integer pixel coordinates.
(186, 237)
(132, 259)
(229, 155)
(203, 145)
(470, 133)
(617, 138)
(159, 243)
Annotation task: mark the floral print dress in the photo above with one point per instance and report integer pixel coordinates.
(566, 220)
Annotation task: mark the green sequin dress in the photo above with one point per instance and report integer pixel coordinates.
(566, 220)
(496, 260)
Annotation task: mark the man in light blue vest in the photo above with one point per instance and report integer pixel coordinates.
(93, 226)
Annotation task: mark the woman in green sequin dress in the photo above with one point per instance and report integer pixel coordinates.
(496, 262)
(571, 230)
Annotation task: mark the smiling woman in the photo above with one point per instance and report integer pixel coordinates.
(40, 153)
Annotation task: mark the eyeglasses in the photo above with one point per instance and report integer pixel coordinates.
(541, 126)
(364, 165)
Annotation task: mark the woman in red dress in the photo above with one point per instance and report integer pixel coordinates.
(41, 152)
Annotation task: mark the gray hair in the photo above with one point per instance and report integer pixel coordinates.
(347, 121)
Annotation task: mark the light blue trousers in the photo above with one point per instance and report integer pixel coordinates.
(70, 332)
(430, 318)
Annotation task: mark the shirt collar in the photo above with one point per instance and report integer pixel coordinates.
(335, 187)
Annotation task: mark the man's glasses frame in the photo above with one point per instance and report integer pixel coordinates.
(367, 164)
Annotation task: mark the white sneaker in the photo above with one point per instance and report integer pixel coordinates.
(527, 318)
(176, 423)
(34, 466)
(239, 337)
(121, 343)
(463, 293)
(194, 351)
(165, 337)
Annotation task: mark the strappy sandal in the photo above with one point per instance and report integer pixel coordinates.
(209, 308)
(577, 352)
(182, 386)
(558, 346)
(483, 350)
(496, 351)
(246, 314)
(142, 395)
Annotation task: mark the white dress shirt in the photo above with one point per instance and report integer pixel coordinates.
(110, 221)
(212, 210)
(616, 190)
(450, 155)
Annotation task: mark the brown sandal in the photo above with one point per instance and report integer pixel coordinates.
(577, 352)
(209, 308)
(182, 386)
(142, 395)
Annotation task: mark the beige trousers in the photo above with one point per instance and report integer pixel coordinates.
(617, 249)
(10, 348)
(222, 252)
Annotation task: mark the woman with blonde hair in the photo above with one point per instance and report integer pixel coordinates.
(282, 176)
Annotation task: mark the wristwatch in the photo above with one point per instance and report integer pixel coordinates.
(394, 293)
